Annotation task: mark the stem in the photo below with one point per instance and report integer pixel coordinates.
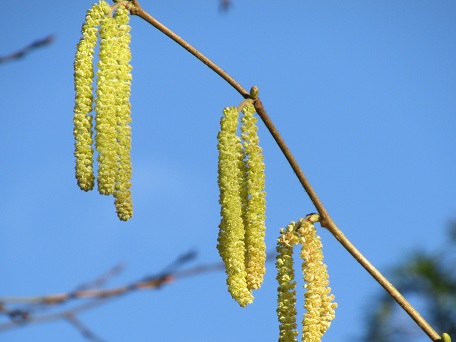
(325, 220)
(137, 10)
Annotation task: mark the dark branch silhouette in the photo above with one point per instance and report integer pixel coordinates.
(26, 50)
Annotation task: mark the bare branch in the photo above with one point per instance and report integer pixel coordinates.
(326, 220)
(83, 329)
(22, 311)
(24, 51)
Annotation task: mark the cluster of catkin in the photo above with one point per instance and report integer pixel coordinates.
(318, 301)
(241, 182)
(111, 104)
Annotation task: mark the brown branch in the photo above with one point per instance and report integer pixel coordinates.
(326, 220)
(27, 313)
(137, 10)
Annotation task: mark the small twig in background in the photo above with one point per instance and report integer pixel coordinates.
(32, 46)
(102, 279)
(23, 311)
(82, 328)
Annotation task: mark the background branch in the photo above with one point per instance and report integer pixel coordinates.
(32, 46)
(23, 311)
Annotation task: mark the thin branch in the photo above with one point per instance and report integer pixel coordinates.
(326, 220)
(32, 46)
(27, 314)
(102, 279)
(33, 319)
(137, 10)
(82, 328)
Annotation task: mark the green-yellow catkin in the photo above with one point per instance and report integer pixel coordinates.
(106, 121)
(83, 79)
(446, 337)
(122, 194)
(318, 301)
(255, 200)
(231, 245)
(286, 308)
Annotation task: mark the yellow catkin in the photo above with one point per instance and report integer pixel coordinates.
(255, 200)
(318, 301)
(106, 122)
(83, 79)
(122, 194)
(231, 234)
(286, 308)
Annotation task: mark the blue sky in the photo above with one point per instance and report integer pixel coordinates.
(362, 92)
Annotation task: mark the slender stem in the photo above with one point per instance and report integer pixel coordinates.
(325, 219)
(137, 10)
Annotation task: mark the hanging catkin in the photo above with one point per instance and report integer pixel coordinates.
(231, 233)
(112, 105)
(318, 301)
(255, 200)
(83, 104)
(241, 182)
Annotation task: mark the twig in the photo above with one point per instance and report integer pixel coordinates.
(137, 10)
(83, 329)
(98, 282)
(326, 220)
(22, 52)
(33, 319)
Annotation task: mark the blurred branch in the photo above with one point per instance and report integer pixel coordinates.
(81, 327)
(225, 5)
(32, 46)
(325, 220)
(23, 311)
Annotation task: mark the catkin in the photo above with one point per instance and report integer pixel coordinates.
(231, 234)
(318, 301)
(112, 106)
(122, 194)
(286, 308)
(106, 122)
(83, 78)
(255, 199)
(242, 198)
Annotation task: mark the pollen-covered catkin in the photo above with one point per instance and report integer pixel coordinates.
(83, 79)
(286, 308)
(318, 301)
(255, 200)
(122, 194)
(112, 105)
(231, 234)
(106, 122)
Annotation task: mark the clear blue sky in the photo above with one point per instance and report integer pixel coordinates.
(363, 93)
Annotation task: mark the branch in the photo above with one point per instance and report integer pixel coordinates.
(22, 311)
(32, 46)
(326, 220)
(85, 331)
(137, 10)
